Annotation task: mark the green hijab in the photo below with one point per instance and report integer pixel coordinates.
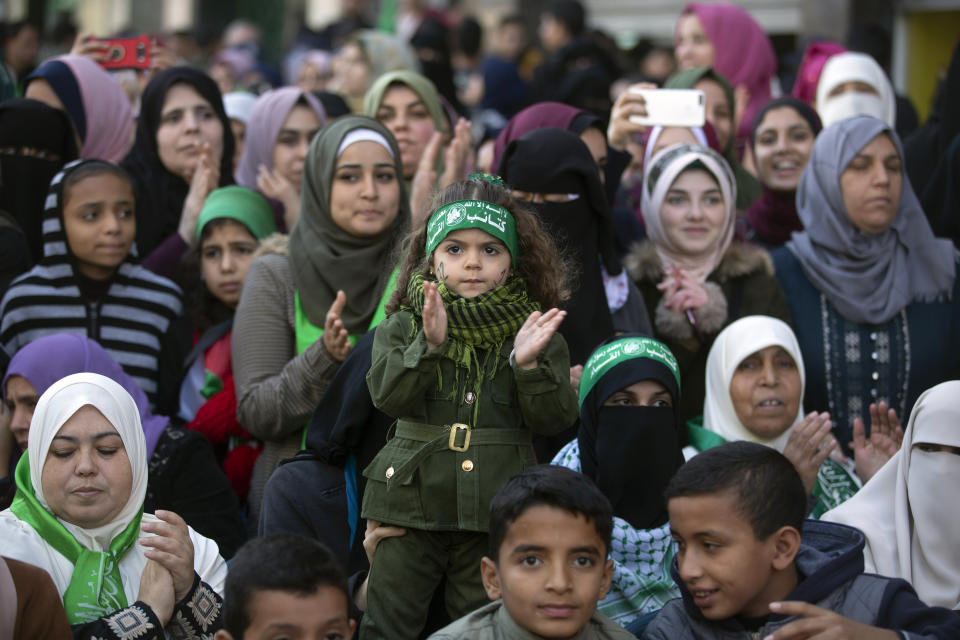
(418, 83)
(324, 257)
(748, 187)
(423, 87)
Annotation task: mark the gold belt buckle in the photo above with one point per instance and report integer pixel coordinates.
(454, 429)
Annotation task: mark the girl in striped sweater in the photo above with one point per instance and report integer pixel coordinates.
(88, 282)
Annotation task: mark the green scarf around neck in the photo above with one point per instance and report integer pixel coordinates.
(96, 588)
(484, 322)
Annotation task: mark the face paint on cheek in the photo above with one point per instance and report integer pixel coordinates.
(501, 277)
(441, 273)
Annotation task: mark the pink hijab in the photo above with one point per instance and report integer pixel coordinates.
(815, 57)
(106, 107)
(744, 53)
(266, 118)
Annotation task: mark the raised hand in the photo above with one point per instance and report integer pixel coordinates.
(87, 45)
(886, 436)
(335, 336)
(273, 185)
(534, 336)
(171, 547)
(156, 590)
(424, 180)
(809, 445)
(434, 316)
(205, 178)
(621, 127)
(457, 155)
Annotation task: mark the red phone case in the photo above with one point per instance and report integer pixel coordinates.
(126, 53)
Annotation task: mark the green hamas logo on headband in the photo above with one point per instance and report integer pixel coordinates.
(610, 355)
(473, 214)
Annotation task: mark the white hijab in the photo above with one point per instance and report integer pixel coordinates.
(855, 67)
(907, 512)
(733, 345)
(57, 404)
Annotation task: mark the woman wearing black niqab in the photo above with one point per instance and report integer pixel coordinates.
(555, 163)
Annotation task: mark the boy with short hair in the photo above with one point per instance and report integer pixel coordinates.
(547, 567)
(736, 513)
(285, 584)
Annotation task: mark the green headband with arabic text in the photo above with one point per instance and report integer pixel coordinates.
(473, 214)
(610, 355)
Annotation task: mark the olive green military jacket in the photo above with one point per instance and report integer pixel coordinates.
(455, 445)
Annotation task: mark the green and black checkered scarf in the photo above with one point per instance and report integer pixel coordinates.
(482, 323)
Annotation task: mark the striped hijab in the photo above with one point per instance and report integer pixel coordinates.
(129, 321)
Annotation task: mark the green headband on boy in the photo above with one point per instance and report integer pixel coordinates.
(473, 214)
(244, 205)
(610, 355)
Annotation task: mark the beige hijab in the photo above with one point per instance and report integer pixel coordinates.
(658, 176)
(907, 510)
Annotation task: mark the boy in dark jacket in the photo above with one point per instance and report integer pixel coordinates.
(736, 513)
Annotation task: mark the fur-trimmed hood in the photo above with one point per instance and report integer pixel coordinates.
(741, 259)
(275, 243)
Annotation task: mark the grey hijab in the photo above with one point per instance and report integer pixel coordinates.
(868, 278)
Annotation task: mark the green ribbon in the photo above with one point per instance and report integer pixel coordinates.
(473, 214)
(96, 588)
(610, 355)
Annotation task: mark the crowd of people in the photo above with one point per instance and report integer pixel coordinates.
(511, 359)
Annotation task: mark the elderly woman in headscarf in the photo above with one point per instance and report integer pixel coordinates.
(781, 139)
(79, 516)
(282, 124)
(629, 443)
(755, 382)
(853, 84)
(99, 109)
(873, 294)
(694, 277)
(904, 511)
(304, 303)
(183, 150)
(179, 461)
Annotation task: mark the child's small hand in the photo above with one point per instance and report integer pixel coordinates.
(534, 336)
(434, 316)
(335, 336)
(816, 622)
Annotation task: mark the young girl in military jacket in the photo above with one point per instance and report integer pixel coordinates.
(471, 368)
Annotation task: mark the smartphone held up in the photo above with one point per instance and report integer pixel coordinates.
(671, 107)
